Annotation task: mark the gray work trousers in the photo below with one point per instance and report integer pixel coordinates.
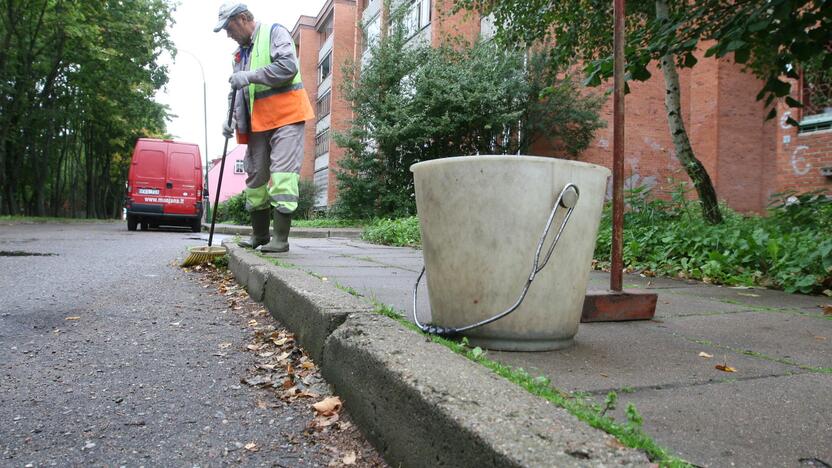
(274, 155)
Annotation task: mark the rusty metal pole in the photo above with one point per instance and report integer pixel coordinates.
(616, 304)
(617, 261)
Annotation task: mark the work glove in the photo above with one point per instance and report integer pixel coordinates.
(228, 130)
(239, 79)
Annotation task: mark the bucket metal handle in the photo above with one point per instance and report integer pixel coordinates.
(567, 199)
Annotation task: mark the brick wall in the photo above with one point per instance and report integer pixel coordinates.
(445, 25)
(306, 40)
(344, 48)
(800, 157)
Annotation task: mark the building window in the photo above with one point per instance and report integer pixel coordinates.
(416, 16)
(238, 167)
(372, 31)
(326, 29)
(323, 105)
(321, 181)
(322, 143)
(817, 91)
(816, 95)
(325, 68)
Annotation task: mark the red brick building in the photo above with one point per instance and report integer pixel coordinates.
(747, 157)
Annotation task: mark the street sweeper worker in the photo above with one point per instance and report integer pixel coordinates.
(269, 116)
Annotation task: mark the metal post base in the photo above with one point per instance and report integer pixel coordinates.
(617, 306)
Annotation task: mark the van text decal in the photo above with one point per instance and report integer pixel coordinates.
(178, 201)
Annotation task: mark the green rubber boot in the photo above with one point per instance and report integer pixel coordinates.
(259, 230)
(280, 239)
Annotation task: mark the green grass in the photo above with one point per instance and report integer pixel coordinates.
(328, 223)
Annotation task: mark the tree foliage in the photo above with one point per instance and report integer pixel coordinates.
(78, 80)
(416, 103)
(772, 38)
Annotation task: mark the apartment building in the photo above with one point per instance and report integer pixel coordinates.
(325, 43)
(749, 158)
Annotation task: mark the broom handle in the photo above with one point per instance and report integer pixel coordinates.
(222, 169)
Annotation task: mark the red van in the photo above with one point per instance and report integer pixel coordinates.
(164, 185)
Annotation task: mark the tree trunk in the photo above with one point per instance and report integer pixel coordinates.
(694, 168)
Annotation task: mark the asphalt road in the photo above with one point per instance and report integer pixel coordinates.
(109, 356)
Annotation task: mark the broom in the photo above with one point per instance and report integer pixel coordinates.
(201, 255)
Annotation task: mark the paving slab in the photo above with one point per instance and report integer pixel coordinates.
(672, 304)
(637, 281)
(631, 355)
(758, 298)
(803, 340)
(775, 421)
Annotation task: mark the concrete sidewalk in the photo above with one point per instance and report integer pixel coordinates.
(775, 410)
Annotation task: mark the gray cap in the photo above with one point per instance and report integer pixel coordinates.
(227, 11)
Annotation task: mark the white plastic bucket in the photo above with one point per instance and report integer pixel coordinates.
(481, 220)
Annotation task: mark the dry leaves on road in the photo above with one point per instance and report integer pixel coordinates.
(827, 309)
(725, 368)
(285, 375)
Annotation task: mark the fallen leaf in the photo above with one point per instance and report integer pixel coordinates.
(253, 347)
(308, 365)
(827, 309)
(73, 318)
(257, 380)
(349, 459)
(820, 338)
(267, 354)
(725, 368)
(321, 422)
(251, 447)
(328, 406)
(705, 355)
(252, 323)
(284, 356)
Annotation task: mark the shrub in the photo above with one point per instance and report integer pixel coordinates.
(790, 248)
(401, 232)
(233, 210)
(415, 103)
(307, 193)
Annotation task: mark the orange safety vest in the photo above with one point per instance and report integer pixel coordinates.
(269, 107)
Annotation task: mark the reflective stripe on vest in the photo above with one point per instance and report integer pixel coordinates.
(269, 107)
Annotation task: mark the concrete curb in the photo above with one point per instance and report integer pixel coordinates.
(418, 402)
(237, 230)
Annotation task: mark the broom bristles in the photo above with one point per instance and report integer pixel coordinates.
(200, 255)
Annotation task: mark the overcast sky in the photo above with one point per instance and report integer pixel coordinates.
(194, 36)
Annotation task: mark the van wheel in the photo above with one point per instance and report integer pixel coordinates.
(196, 225)
(132, 223)
(144, 226)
